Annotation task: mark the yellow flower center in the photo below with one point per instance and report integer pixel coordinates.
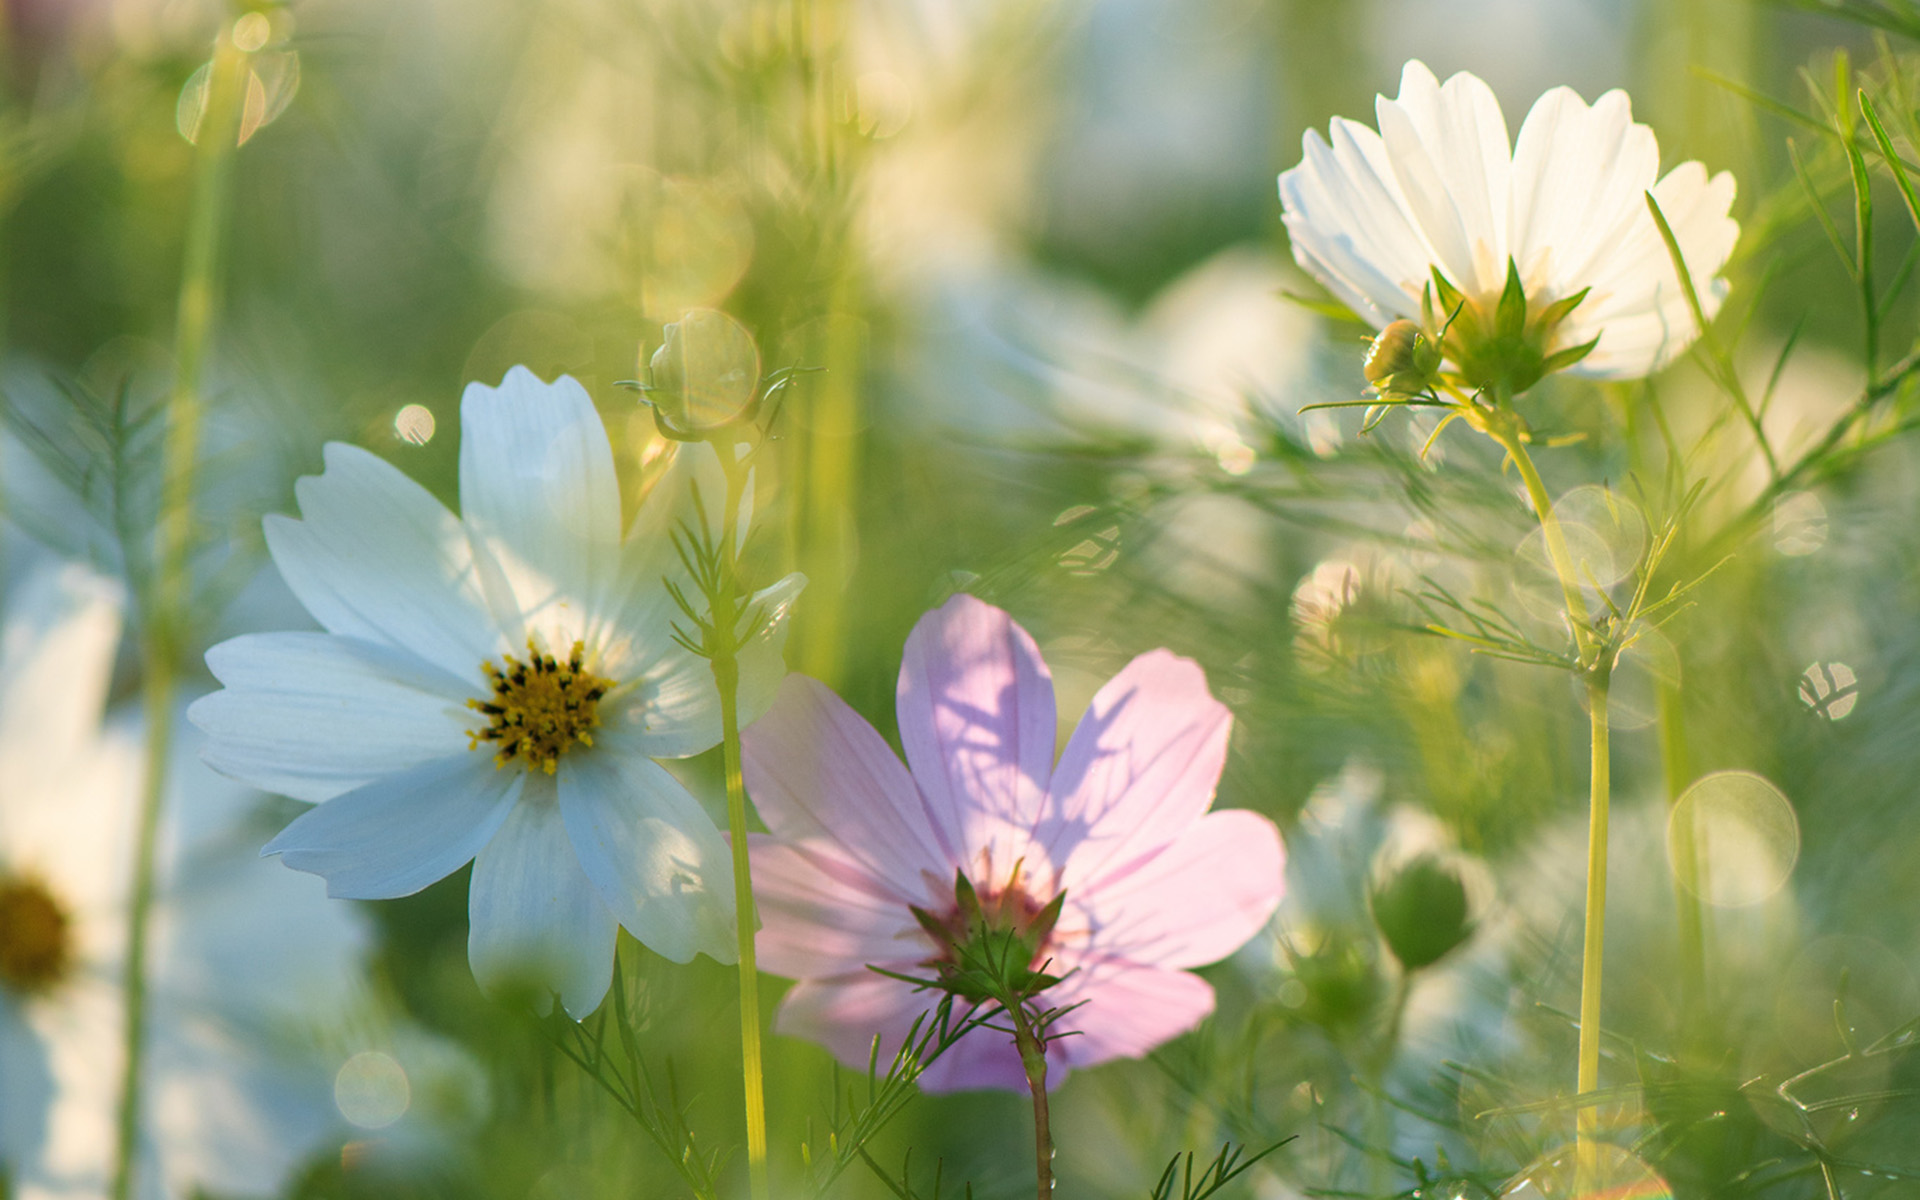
(539, 708)
(36, 942)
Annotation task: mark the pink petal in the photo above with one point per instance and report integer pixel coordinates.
(1128, 1010)
(817, 770)
(976, 713)
(1195, 902)
(844, 1013)
(821, 914)
(1139, 770)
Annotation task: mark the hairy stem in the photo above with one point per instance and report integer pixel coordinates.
(727, 615)
(1033, 1057)
(164, 608)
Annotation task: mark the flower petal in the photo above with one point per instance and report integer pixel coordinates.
(1450, 153)
(1125, 1010)
(1139, 770)
(1579, 175)
(821, 913)
(376, 557)
(1195, 902)
(538, 492)
(675, 712)
(56, 656)
(1350, 226)
(652, 852)
(398, 834)
(976, 715)
(312, 715)
(816, 769)
(535, 918)
(845, 1013)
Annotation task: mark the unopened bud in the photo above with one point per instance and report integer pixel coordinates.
(1401, 360)
(1422, 912)
(705, 375)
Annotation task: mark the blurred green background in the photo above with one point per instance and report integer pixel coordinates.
(1036, 248)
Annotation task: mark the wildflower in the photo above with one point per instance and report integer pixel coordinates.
(1542, 256)
(250, 959)
(1105, 872)
(495, 687)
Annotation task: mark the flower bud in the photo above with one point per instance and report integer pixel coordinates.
(705, 375)
(1421, 911)
(1401, 360)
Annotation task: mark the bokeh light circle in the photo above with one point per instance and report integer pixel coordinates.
(1603, 1172)
(372, 1090)
(1733, 839)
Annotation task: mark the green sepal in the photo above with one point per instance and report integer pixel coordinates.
(1560, 360)
(1450, 297)
(1510, 317)
(1554, 313)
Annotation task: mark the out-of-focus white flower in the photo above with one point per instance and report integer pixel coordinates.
(244, 960)
(495, 687)
(1013, 355)
(1440, 191)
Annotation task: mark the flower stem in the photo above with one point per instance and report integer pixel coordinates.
(1033, 1057)
(165, 606)
(1599, 797)
(1597, 668)
(726, 678)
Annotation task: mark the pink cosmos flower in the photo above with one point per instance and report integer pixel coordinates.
(1154, 883)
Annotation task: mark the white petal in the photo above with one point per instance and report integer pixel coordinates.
(1350, 226)
(56, 654)
(652, 853)
(378, 558)
(312, 715)
(538, 491)
(1579, 178)
(535, 918)
(1450, 153)
(675, 709)
(398, 834)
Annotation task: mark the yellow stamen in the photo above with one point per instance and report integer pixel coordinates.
(36, 940)
(540, 707)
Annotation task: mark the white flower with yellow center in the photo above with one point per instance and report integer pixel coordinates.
(1439, 201)
(246, 961)
(494, 687)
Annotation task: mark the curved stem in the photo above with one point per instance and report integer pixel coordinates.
(165, 605)
(1033, 1057)
(1557, 549)
(726, 676)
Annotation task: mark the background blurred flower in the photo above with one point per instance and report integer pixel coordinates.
(428, 741)
(246, 962)
(1153, 883)
(1440, 188)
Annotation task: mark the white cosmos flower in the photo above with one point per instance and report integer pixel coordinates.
(1440, 187)
(529, 602)
(245, 960)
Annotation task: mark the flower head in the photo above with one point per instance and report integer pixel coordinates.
(1104, 873)
(247, 959)
(494, 686)
(1542, 253)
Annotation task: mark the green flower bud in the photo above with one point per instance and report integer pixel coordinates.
(1401, 360)
(1421, 911)
(705, 375)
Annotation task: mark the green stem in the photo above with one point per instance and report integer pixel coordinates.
(1557, 549)
(1599, 795)
(726, 676)
(1598, 671)
(1033, 1057)
(1677, 772)
(165, 606)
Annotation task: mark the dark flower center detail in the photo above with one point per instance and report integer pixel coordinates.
(36, 937)
(539, 708)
